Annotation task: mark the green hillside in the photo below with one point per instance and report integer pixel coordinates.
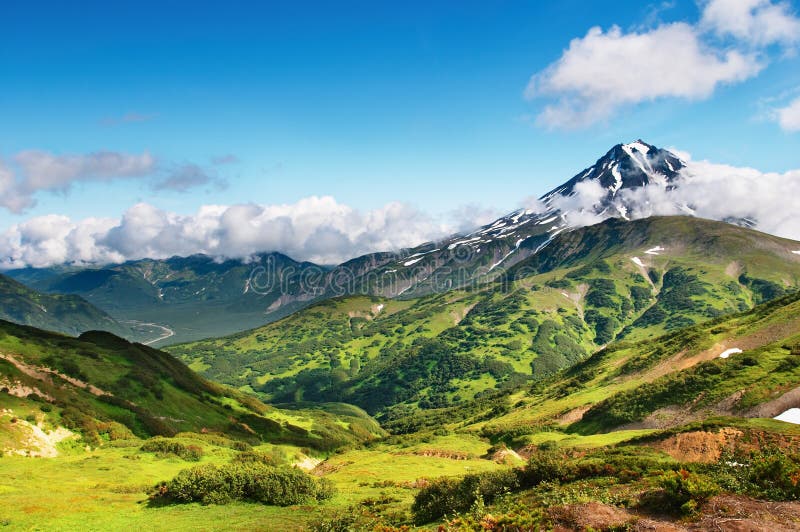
(614, 281)
(106, 388)
(582, 389)
(659, 432)
(67, 314)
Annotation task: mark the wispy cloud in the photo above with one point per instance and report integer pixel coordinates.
(33, 172)
(44, 171)
(187, 177)
(228, 158)
(47, 171)
(128, 118)
(782, 108)
(756, 22)
(604, 71)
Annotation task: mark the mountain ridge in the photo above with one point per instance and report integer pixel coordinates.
(69, 314)
(202, 296)
(619, 279)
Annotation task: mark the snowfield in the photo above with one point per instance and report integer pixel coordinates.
(790, 416)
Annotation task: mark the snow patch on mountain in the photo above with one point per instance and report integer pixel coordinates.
(790, 416)
(617, 179)
(729, 352)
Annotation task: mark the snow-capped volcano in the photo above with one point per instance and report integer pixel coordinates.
(608, 188)
(624, 167)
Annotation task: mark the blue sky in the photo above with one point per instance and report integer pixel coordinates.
(422, 103)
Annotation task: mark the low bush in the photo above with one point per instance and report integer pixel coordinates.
(254, 457)
(775, 475)
(449, 496)
(682, 491)
(253, 482)
(547, 466)
(166, 447)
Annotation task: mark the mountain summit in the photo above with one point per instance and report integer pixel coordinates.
(631, 165)
(624, 167)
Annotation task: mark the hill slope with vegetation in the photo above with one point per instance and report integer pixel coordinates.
(661, 432)
(67, 314)
(614, 281)
(106, 388)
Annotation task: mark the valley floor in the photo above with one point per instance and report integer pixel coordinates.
(108, 488)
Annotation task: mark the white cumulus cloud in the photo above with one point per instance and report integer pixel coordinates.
(605, 71)
(758, 22)
(317, 229)
(789, 117)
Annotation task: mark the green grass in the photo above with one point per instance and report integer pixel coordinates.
(108, 487)
(107, 490)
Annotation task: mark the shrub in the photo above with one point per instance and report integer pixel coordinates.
(353, 518)
(686, 491)
(254, 482)
(547, 466)
(254, 457)
(238, 445)
(775, 475)
(450, 496)
(325, 489)
(166, 447)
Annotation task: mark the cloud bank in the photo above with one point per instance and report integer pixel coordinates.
(322, 230)
(604, 71)
(317, 229)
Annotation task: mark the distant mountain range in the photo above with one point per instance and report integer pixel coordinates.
(185, 297)
(70, 314)
(189, 298)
